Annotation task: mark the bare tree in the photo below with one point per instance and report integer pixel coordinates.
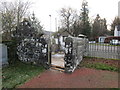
(67, 17)
(12, 14)
(84, 17)
(21, 9)
(8, 17)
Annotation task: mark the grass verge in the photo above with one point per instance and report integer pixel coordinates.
(89, 57)
(18, 74)
(100, 66)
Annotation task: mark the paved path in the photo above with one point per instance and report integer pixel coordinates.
(58, 60)
(81, 78)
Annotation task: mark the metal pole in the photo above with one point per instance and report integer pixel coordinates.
(56, 24)
(49, 44)
(50, 26)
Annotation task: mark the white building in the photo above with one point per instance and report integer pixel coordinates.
(101, 39)
(117, 31)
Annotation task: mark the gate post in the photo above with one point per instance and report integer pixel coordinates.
(74, 51)
(49, 54)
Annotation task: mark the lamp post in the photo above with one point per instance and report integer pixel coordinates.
(49, 45)
(56, 24)
(50, 26)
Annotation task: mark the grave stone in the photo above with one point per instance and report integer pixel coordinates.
(3, 54)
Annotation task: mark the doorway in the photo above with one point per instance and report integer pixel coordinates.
(57, 60)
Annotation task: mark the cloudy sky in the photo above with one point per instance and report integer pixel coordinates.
(43, 8)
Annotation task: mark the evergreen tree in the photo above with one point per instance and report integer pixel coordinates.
(36, 24)
(86, 28)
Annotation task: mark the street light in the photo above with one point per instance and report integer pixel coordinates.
(50, 29)
(50, 24)
(49, 44)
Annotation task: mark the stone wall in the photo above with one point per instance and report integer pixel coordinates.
(75, 49)
(33, 50)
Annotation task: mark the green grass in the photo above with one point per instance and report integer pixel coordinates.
(101, 66)
(18, 74)
(114, 89)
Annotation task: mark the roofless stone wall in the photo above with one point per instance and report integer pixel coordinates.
(75, 48)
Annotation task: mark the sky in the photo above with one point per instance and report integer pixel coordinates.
(43, 8)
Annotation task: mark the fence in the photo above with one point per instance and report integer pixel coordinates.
(102, 50)
(36, 50)
(76, 48)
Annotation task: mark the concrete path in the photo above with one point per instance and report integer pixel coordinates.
(58, 60)
(81, 78)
